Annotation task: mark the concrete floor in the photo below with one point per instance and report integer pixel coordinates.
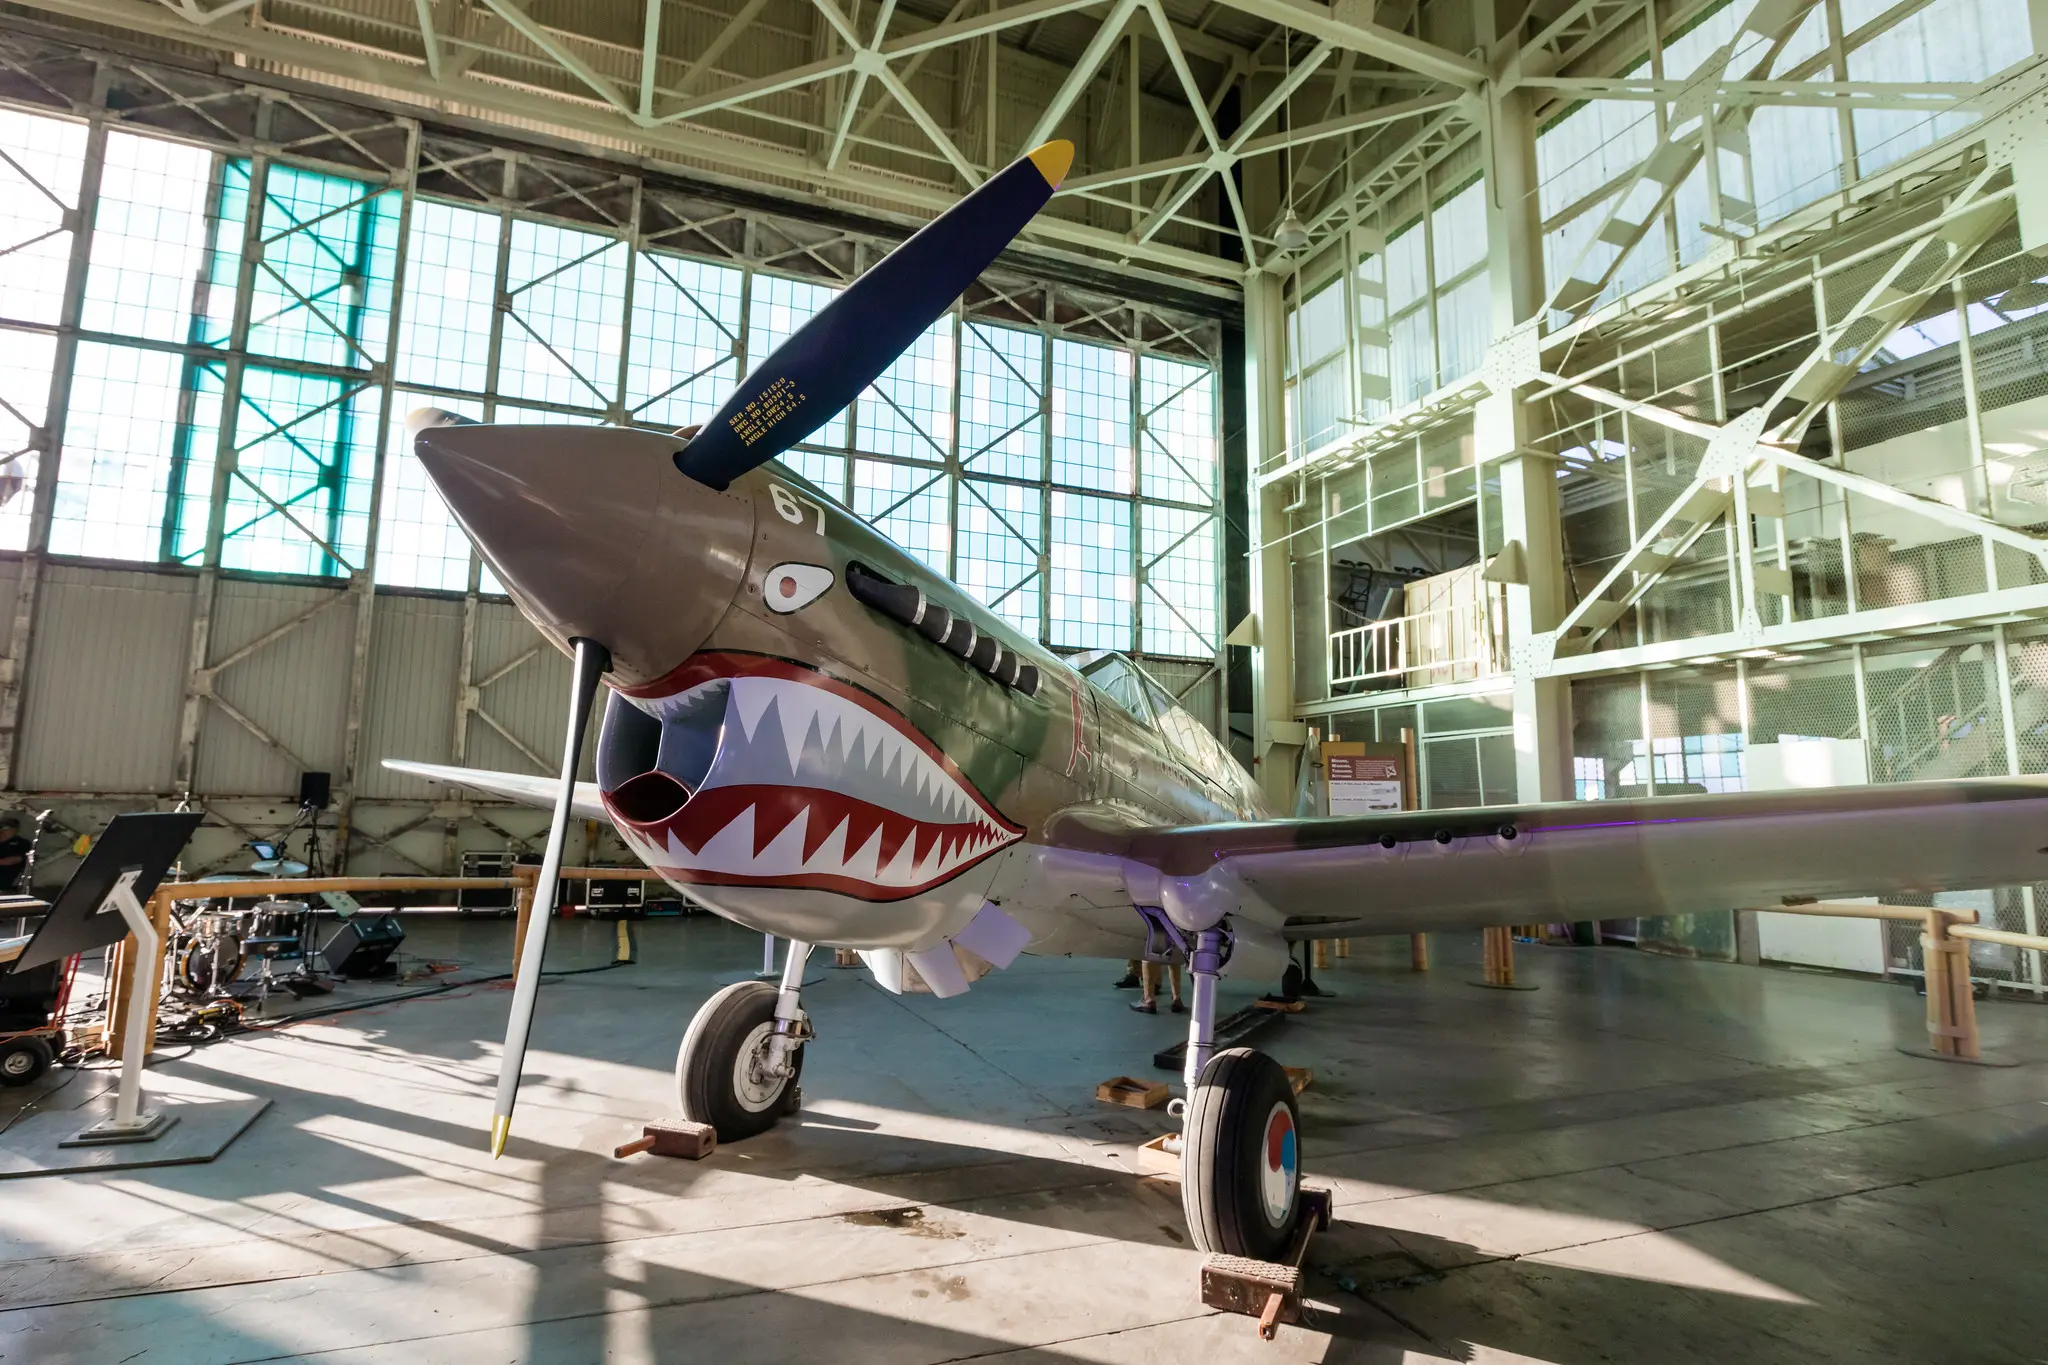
(1646, 1160)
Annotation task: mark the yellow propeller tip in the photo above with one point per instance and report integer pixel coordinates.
(1053, 160)
(501, 1128)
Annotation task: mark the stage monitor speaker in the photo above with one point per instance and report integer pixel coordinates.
(361, 945)
(313, 791)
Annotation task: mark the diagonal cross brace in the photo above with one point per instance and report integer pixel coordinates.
(1675, 156)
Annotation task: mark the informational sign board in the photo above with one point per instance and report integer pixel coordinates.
(80, 919)
(1360, 784)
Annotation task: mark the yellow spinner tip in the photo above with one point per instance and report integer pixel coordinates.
(1053, 160)
(501, 1128)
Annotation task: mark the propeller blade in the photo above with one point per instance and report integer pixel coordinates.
(806, 380)
(591, 661)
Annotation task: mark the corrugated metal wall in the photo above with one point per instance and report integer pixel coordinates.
(106, 679)
(107, 676)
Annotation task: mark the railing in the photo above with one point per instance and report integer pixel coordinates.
(1458, 643)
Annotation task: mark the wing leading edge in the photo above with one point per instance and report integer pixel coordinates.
(524, 788)
(1415, 871)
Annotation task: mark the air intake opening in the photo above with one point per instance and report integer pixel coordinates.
(649, 798)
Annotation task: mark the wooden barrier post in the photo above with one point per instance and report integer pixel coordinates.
(1343, 947)
(522, 899)
(1411, 794)
(1951, 1008)
(1322, 953)
(1498, 945)
(120, 961)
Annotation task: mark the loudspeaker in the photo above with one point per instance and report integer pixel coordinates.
(360, 946)
(313, 793)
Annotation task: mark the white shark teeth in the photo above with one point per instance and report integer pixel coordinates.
(872, 806)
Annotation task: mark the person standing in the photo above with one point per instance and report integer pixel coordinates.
(1149, 972)
(14, 851)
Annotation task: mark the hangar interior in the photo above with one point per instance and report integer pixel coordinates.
(1585, 401)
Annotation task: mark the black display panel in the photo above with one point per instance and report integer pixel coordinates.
(148, 842)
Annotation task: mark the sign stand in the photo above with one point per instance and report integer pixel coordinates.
(132, 1123)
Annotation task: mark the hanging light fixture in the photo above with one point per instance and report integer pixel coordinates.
(1292, 234)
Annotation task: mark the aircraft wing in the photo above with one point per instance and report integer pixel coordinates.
(524, 788)
(1416, 871)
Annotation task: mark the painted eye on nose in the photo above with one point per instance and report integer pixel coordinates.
(788, 587)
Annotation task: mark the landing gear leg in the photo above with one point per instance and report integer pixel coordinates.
(1240, 1137)
(740, 1062)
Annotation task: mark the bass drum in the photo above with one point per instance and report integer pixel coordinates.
(208, 962)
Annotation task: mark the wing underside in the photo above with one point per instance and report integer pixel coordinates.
(1409, 872)
(524, 788)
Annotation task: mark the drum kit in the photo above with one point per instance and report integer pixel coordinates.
(213, 947)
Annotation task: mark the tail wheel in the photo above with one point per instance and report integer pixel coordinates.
(1241, 1157)
(721, 1074)
(23, 1059)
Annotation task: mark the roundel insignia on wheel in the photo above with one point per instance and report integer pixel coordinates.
(787, 587)
(1276, 1183)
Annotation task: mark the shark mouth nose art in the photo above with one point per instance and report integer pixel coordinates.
(754, 771)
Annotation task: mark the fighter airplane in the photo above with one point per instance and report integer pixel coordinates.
(818, 737)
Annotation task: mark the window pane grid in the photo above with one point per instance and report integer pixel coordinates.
(1179, 403)
(451, 273)
(566, 296)
(682, 357)
(1002, 393)
(908, 411)
(419, 544)
(1091, 416)
(322, 290)
(149, 238)
(1091, 572)
(33, 201)
(997, 549)
(1180, 579)
(118, 447)
(906, 503)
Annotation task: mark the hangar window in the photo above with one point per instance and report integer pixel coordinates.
(253, 329)
(1091, 571)
(684, 356)
(565, 303)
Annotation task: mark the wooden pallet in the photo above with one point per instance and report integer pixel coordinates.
(1133, 1093)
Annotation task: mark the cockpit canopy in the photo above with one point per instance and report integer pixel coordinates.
(1118, 678)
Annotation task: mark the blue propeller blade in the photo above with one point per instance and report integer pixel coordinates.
(839, 352)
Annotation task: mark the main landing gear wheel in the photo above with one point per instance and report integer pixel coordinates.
(23, 1059)
(722, 1072)
(1241, 1157)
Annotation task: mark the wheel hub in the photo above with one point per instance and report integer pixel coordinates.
(1280, 1172)
(757, 1080)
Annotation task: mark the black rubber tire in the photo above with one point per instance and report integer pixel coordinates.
(1224, 1166)
(705, 1063)
(22, 1060)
